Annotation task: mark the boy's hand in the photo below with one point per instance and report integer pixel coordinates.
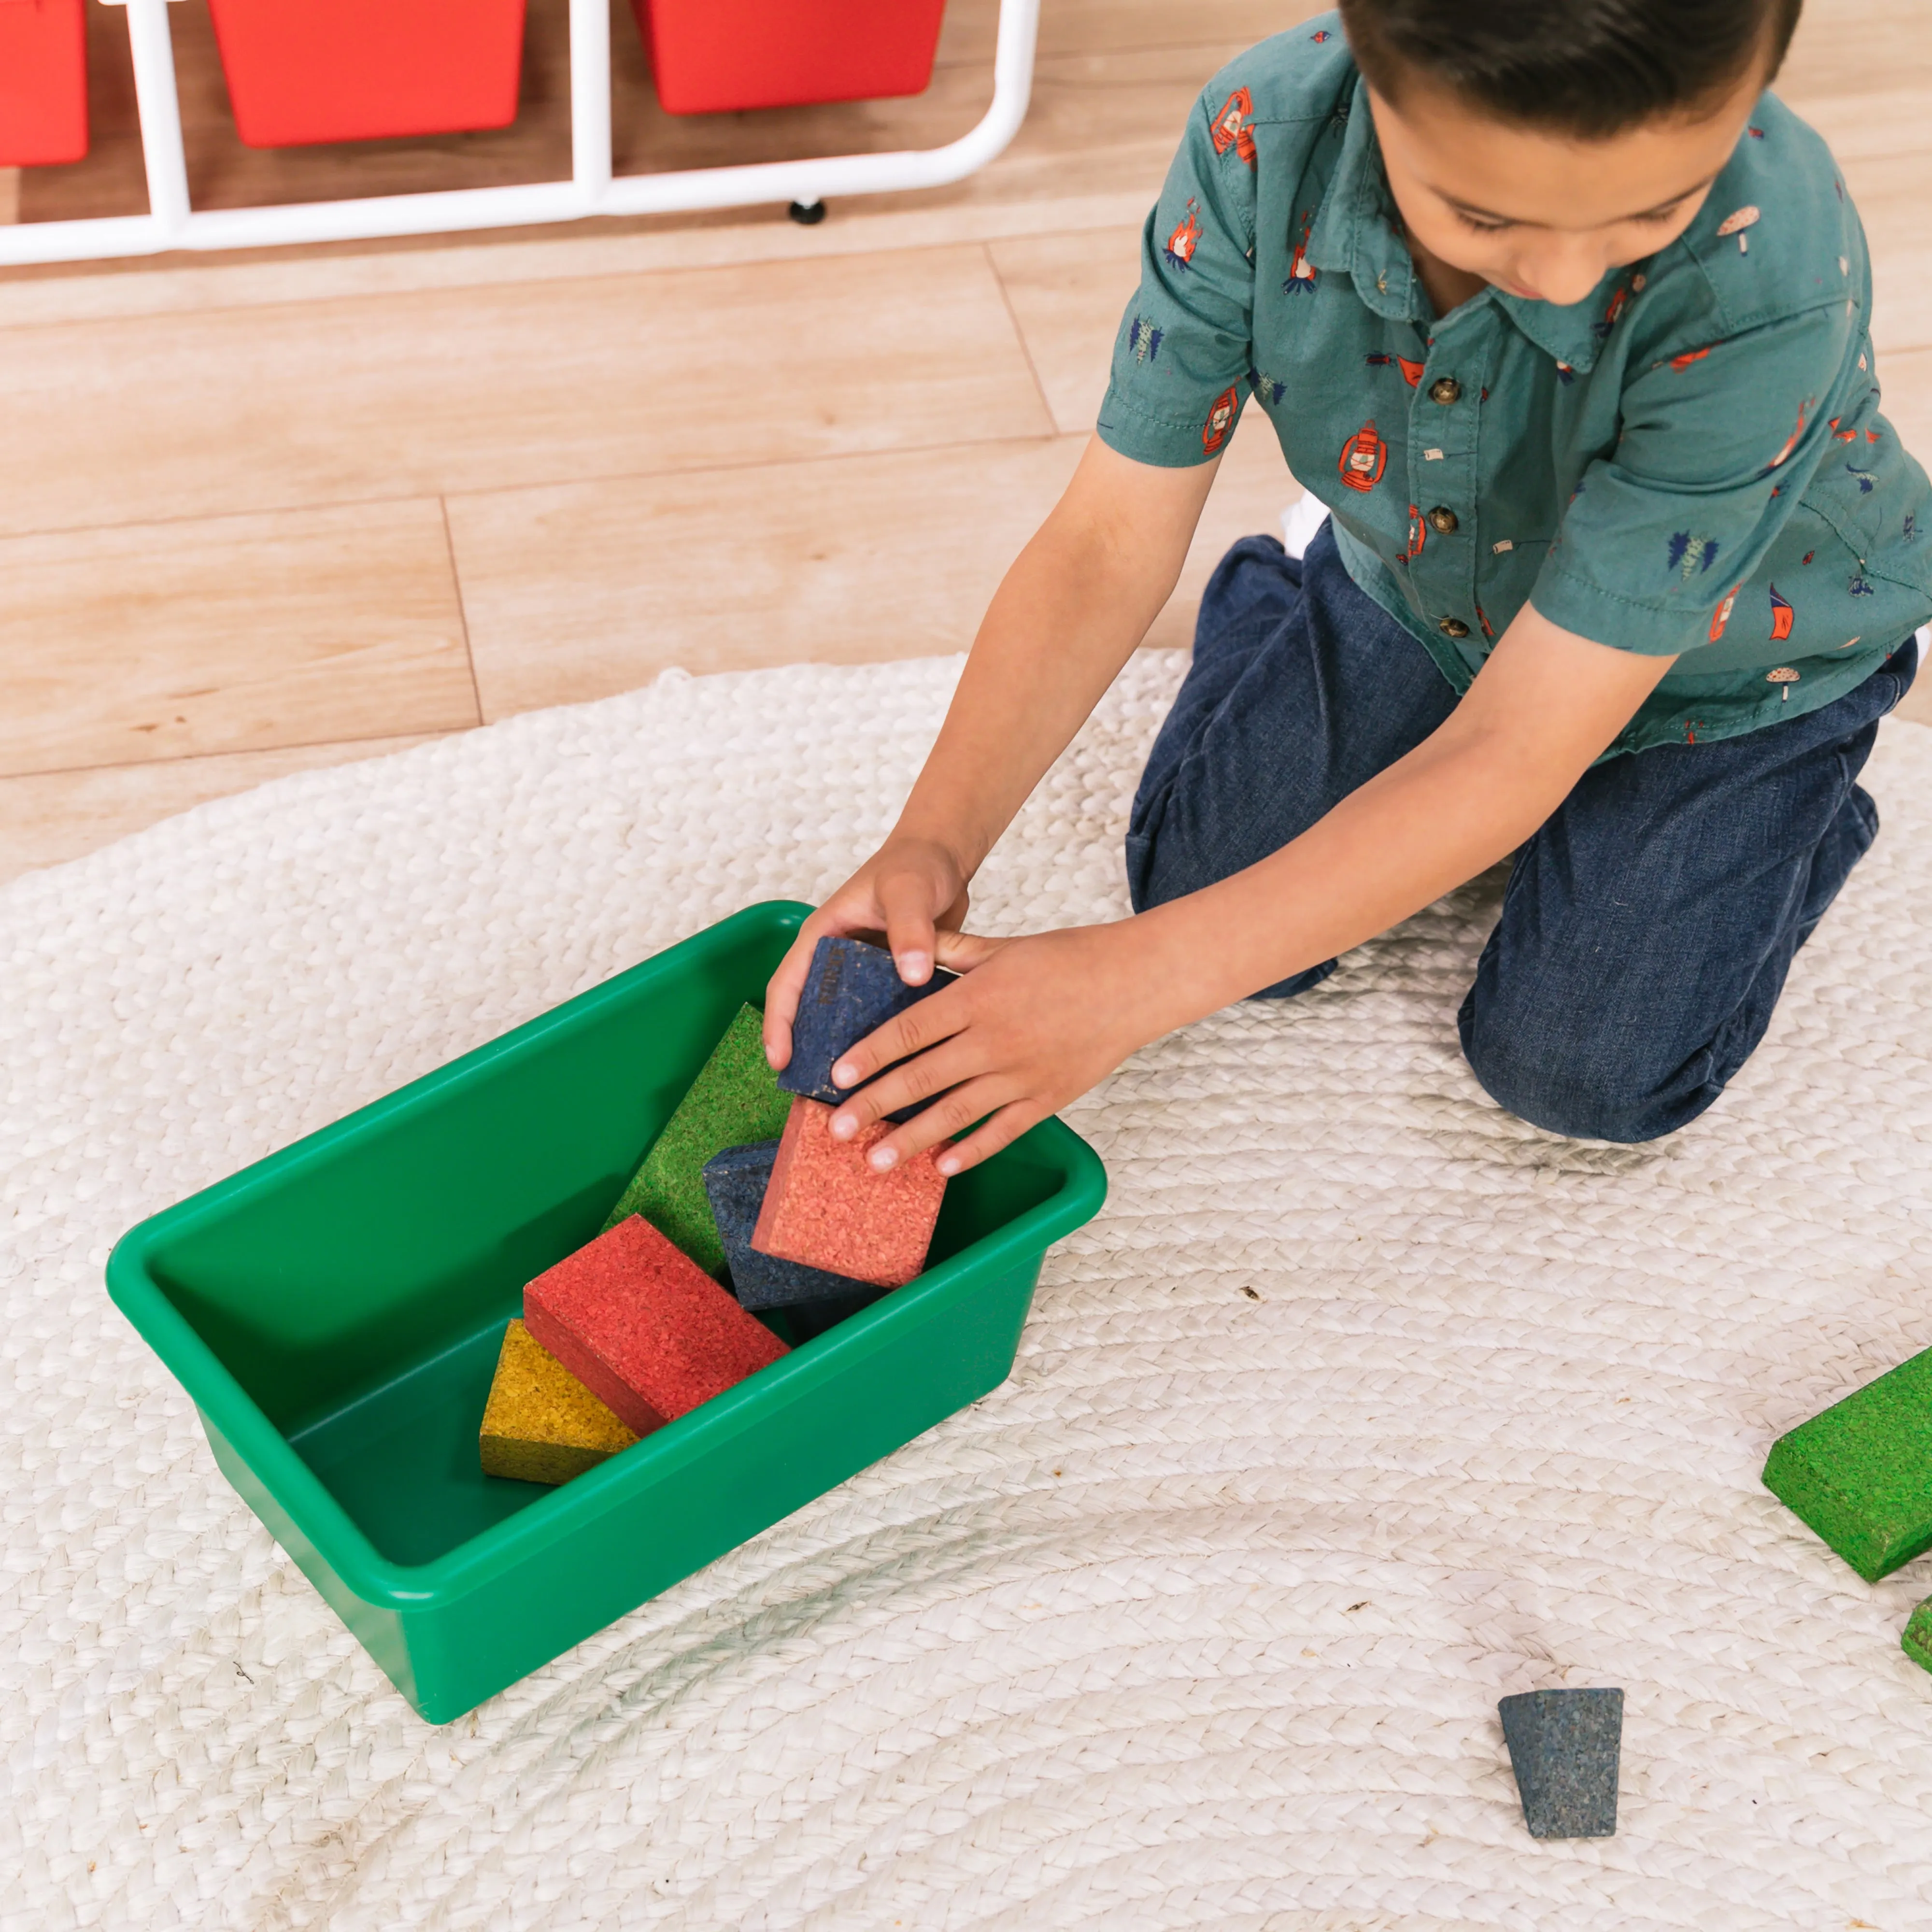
(908, 891)
(1033, 1023)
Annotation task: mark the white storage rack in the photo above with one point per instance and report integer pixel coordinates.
(171, 222)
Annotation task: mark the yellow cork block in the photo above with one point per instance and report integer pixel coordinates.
(541, 1424)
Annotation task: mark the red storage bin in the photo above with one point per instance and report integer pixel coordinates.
(43, 82)
(716, 56)
(305, 70)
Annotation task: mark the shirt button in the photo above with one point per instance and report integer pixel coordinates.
(1453, 627)
(1442, 521)
(1445, 390)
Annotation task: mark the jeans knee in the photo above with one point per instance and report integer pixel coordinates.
(1568, 1082)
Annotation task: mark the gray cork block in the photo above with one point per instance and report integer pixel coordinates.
(1564, 1746)
(851, 990)
(736, 1181)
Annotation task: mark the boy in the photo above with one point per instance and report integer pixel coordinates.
(1565, 319)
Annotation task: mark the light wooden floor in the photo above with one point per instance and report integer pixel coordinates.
(269, 512)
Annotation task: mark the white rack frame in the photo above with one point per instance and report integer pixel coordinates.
(171, 222)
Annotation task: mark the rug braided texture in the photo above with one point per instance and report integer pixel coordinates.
(1361, 1405)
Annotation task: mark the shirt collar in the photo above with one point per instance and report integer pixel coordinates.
(1356, 234)
(1574, 336)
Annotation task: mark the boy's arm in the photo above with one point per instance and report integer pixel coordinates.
(1072, 608)
(1037, 1021)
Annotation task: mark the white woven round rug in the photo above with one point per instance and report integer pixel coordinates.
(1361, 1405)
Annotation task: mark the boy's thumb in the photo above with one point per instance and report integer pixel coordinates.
(961, 951)
(909, 930)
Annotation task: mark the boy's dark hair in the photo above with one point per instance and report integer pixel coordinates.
(1589, 68)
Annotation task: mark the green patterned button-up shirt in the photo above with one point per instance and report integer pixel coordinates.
(1691, 462)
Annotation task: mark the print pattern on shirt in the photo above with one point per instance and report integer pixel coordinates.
(1691, 555)
(1185, 238)
(1144, 340)
(1796, 437)
(1736, 223)
(1721, 618)
(1411, 372)
(1782, 617)
(1220, 420)
(1232, 127)
(1364, 458)
(1301, 276)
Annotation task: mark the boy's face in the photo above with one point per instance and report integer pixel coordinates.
(1541, 213)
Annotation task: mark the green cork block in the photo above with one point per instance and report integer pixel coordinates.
(734, 1100)
(1917, 1642)
(1861, 1474)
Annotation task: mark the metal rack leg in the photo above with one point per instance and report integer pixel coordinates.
(153, 50)
(590, 100)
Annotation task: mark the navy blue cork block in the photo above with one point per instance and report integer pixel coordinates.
(852, 990)
(1563, 1747)
(735, 1181)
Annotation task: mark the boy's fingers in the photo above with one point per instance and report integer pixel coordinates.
(1002, 1130)
(906, 1085)
(781, 993)
(961, 951)
(783, 989)
(945, 1119)
(906, 900)
(910, 1032)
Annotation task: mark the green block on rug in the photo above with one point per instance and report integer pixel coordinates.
(1861, 1474)
(734, 1100)
(1917, 1642)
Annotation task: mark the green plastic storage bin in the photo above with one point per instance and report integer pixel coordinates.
(335, 1312)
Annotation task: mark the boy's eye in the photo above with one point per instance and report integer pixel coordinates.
(1481, 227)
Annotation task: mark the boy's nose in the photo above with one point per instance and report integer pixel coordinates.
(1566, 269)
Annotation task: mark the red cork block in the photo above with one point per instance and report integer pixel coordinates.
(826, 1207)
(643, 1327)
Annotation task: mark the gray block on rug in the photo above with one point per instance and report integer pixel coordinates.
(1564, 1748)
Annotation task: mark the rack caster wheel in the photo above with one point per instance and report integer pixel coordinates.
(807, 214)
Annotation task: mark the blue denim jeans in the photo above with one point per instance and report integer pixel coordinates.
(1647, 927)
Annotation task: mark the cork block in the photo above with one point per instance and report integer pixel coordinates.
(736, 1181)
(643, 1327)
(1916, 1641)
(825, 1207)
(851, 990)
(1861, 1473)
(1565, 1747)
(541, 1424)
(735, 1098)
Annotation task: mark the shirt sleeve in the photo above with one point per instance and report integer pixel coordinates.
(1718, 446)
(1185, 344)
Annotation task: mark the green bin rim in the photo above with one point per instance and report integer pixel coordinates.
(314, 1511)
